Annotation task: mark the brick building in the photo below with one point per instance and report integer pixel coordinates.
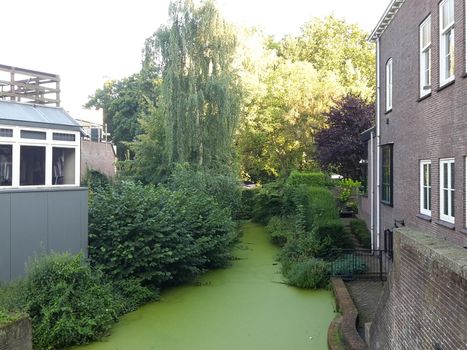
(417, 174)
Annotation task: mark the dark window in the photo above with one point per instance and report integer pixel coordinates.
(386, 174)
(58, 136)
(6, 132)
(32, 165)
(34, 135)
(6, 156)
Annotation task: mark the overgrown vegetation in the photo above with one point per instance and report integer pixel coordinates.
(156, 234)
(359, 229)
(69, 302)
(304, 221)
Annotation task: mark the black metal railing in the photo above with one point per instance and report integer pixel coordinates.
(359, 264)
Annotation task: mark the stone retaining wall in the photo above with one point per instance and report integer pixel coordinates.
(16, 335)
(351, 338)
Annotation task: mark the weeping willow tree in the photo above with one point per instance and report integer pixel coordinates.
(199, 102)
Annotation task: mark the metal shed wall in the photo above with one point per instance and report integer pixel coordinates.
(37, 221)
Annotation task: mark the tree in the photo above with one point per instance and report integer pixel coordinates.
(123, 102)
(331, 44)
(199, 103)
(338, 147)
(283, 107)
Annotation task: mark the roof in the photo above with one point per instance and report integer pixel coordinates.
(388, 16)
(366, 135)
(26, 114)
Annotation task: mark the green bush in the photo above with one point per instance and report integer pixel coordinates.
(297, 178)
(310, 273)
(223, 186)
(331, 235)
(347, 265)
(247, 203)
(322, 206)
(129, 294)
(359, 229)
(268, 202)
(94, 180)
(8, 317)
(280, 228)
(157, 235)
(67, 302)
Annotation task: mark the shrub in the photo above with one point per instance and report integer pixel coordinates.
(310, 273)
(347, 265)
(67, 302)
(268, 202)
(222, 186)
(130, 294)
(359, 229)
(330, 235)
(297, 178)
(247, 202)
(94, 180)
(322, 205)
(280, 228)
(157, 235)
(7, 317)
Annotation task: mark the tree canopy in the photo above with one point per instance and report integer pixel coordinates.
(199, 100)
(338, 147)
(208, 94)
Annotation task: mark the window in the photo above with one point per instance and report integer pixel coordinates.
(59, 136)
(389, 85)
(6, 171)
(387, 175)
(446, 169)
(63, 166)
(6, 132)
(425, 187)
(425, 57)
(33, 135)
(32, 166)
(446, 41)
(38, 157)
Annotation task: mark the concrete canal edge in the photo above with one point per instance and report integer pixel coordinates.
(16, 335)
(348, 321)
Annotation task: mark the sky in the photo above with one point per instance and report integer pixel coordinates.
(88, 42)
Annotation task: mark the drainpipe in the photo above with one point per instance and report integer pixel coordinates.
(372, 190)
(378, 135)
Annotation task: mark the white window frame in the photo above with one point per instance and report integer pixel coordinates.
(425, 209)
(443, 30)
(16, 141)
(425, 50)
(389, 84)
(450, 191)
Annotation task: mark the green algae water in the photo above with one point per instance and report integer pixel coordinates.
(244, 307)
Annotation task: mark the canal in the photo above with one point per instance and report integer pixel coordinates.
(243, 307)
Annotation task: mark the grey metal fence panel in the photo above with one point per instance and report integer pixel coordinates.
(28, 228)
(5, 237)
(64, 218)
(37, 221)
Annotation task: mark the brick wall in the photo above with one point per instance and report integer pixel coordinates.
(428, 129)
(97, 156)
(424, 302)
